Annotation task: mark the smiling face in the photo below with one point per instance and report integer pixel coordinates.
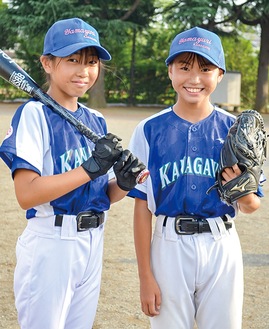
(194, 79)
(70, 77)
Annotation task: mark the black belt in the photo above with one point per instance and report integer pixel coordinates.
(85, 220)
(186, 225)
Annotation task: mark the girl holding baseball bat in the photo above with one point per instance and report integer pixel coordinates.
(66, 184)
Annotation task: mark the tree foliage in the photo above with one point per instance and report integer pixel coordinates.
(138, 34)
(241, 56)
(256, 13)
(222, 17)
(26, 22)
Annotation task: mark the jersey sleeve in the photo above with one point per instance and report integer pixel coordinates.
(27, 137)
(19, 163)
(139, 147)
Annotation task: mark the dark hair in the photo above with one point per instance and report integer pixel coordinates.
(190, 58)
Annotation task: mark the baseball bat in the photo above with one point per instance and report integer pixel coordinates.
(15, 75)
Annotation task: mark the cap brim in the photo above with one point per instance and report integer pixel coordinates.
(71, 49)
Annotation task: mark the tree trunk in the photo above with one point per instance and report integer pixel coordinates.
(132, 72)
(262, 80)
(97, 99)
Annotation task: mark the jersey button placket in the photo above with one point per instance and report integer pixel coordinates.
(192, 148)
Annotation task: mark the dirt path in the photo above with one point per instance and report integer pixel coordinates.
(119, 306)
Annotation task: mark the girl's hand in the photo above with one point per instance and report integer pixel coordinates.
(107, 151)
(230, 173)
(150, 296)
(248, 203)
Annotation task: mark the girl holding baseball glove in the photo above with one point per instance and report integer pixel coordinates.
(190, 267)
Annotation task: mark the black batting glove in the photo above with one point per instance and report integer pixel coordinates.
(126, 169)
(107, 151)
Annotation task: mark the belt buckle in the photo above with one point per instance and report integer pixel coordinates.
(178, 221)
(81, 216)
(79, 219)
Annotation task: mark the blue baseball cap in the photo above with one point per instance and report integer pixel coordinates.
(67, 36)
(201, 42)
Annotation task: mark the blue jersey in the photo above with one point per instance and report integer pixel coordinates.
(42, 141)
(182, 158)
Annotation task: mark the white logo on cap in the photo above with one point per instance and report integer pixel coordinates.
(197, 42)
(87, 33)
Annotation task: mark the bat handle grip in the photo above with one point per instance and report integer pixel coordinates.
(142, 176)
